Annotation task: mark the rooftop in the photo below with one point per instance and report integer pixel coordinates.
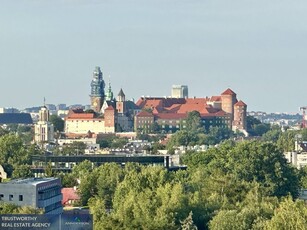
(30, 181)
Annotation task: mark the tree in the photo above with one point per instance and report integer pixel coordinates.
(250, 161)
(49, 170)
(255, 127)
(266, 164)
(22, 171)
(273, 134)
(75, 148)
(289, 215)
(8, 208)
(194, 123)
(187, 223)
(286, 141)
(57, 122)
(13, 153)
(3, 131)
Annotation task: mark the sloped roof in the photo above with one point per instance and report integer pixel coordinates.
(121, 93)
(15, 118)
(110, 107)
(215, 98)
(144, 114)
(131, 105)
(228, 92)
(69, 194)
(240, 103)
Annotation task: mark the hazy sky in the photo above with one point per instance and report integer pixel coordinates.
(258, 48)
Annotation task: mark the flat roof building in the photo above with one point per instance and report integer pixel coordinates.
(43, 193)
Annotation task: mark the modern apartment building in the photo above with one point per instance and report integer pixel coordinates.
(43, 193)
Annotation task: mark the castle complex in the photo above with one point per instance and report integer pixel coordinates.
(110, 115)
(170, 113)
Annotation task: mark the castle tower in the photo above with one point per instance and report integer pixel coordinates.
(229, 98)
(44, 130)
(120, 102)
(97, 90)
(239, 120)
(109, 119)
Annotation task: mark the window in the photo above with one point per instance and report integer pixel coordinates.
(11, 197)
(20, 197)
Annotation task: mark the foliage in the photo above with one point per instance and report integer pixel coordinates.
(112, 141)
(8, 208)
(286, 141)
(75, 148)
(14, 153)
(250, 161)
(58, 123)
(289, 215)
(194, 123)
(255, 127)
(187, 223)
(22, 171)
(68, 180)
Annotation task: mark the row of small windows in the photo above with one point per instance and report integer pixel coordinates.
(86, 121)
(11, 197)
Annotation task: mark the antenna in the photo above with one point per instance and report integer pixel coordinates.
(44, 101)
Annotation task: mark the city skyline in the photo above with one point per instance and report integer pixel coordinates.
(256, 48)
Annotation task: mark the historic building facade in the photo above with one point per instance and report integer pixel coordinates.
(170, 113)
(44, 130)
(109, 115)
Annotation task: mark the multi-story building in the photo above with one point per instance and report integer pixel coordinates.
(109, 115)
(43, 193)
(44, 130)
(170, 113)
(79, 122)
(180, 91)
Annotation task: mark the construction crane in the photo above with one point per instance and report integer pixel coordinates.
(304, 108)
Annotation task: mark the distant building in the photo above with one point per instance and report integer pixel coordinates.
(180, 91)
(298, 160)
(70, 196)
(9, 110)
(3, 174)
(44, 130)
(43, 193)
(15, 118)
(97, 90)
(80, 122)
(170, 113)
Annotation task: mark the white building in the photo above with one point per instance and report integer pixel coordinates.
(44, 130)
(298, 160)
(180, 91)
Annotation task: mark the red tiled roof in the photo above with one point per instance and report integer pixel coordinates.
(69, 194)
(215, 98)
(228, 92)
(240, 103)
(80, 116)
(202, 101)
(144, 114)
(110, 107)
(201, 108)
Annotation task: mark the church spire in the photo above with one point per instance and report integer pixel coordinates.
(109, 94)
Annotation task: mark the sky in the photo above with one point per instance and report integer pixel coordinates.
(255, 47)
